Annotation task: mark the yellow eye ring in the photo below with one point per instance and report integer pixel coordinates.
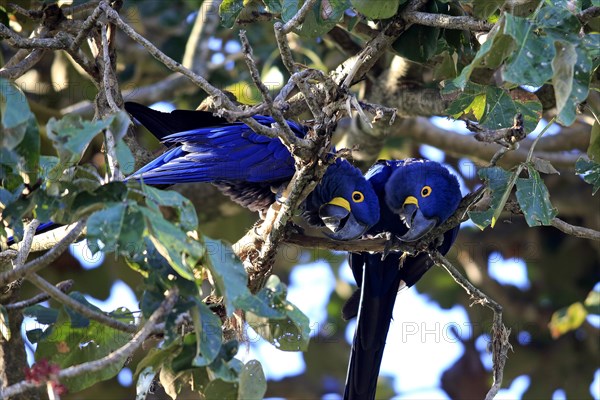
(426, 191)
(358, 197)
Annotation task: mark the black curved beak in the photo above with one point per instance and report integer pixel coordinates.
(341, 222)
(418, 225)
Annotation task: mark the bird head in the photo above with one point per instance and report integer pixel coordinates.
(424, 194)
(344, 201)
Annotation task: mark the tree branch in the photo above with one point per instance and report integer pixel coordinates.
(500, 334)
(117, 356)
(447, 21)
(44, 260)
(63, 286)
(578, 231)
(82, 309)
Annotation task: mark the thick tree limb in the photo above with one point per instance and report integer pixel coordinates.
(573, 230)
(447, 21)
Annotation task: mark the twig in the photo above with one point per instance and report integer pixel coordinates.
(86, 27)
(426, 132)
(504, 136)
(106, 72)
(17, 69)
(290, 65)
(500, 334)
(44, 260)
(447, 21)
(72, 10)
(588, 14)
(537, 139)
(578, 231)
(60, 42)
(287, 135)
(174, 66)
(25, 246)
(63, 286)
(299, 17)
(117, 356)
(64, 299)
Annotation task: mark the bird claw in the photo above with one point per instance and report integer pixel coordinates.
(391, 241)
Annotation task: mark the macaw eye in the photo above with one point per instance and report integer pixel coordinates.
(358, 197)
(426, 191)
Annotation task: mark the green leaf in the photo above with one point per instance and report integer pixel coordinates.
(590, 170)
(492, 52)
(322, 17)
(221, 390)
(43, 315)
(71, 135)
(227, 272)
(145, 383)
(290, 333)
(567, 319)
(229, 11)
(156, 357)
(579, 87)
(67, 346)
(125, 158)
(274, 6)
(377, 9)
(543, 166)
(502, 106)
(500, 184)
(593, 150)
(104, 227)
(419, 43)
(289, 9)
(253, 384)
(471, 101)
(494, 107)
(15, 114)
(172, 243)
(4, 324)
(592, 302)
(86, 202)
(29, 149)
(180, 204)
(534, 199)
(209, 335)
(563, 70)
(530, 63)
(483, 9)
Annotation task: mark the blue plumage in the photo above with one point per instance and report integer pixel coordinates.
(250, 168)
(414, 197)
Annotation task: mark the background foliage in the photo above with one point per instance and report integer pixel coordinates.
(539, 59)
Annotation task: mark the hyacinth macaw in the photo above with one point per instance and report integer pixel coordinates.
(250, 168)
(415, 196)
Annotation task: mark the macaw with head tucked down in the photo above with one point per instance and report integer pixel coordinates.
(251, 168)
(415, 196)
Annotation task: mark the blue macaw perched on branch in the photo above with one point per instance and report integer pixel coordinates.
(415, 196)
(250, 168)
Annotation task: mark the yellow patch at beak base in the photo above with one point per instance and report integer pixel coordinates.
(411, 200)
(341, 202)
